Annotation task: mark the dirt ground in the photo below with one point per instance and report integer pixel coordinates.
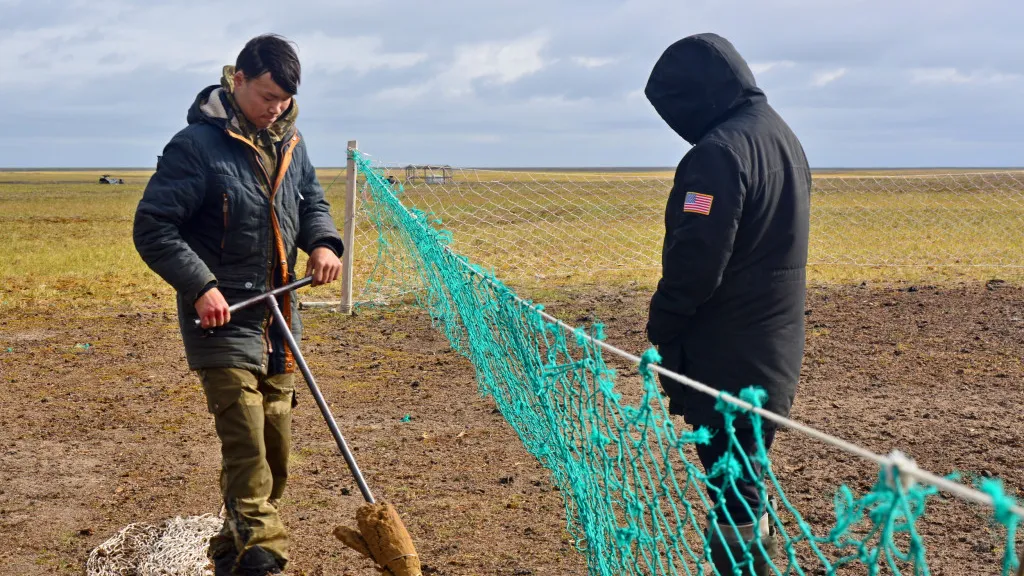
(103, 426)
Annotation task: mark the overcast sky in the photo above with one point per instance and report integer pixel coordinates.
(517, 83)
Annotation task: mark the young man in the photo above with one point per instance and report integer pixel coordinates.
(729, 308)
(233, 198)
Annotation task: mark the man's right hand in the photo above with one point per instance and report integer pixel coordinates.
(212, 309)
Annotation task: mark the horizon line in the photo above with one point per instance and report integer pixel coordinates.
(523, 168)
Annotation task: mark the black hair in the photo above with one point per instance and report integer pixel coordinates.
(274, 54)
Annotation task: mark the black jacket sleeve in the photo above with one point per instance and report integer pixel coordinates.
(172, 196)
(316, 226)
(697, 246)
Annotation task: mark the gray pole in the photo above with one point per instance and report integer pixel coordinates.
(350, 230)
(338, 438)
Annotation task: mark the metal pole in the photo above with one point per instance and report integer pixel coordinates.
(350, 230)
(271, 294)
(338, 438)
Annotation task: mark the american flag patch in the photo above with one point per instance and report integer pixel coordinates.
(697, 202)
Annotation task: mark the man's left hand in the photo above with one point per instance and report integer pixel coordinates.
(323, 265)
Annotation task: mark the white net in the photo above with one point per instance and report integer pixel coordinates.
(562, 226)
(176, 547)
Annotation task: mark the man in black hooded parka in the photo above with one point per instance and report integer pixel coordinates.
(729, 308)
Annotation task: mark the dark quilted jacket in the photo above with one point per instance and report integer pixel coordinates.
(207, 216)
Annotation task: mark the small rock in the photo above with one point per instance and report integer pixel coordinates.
(506, 479)
(982, 547)
(346, 491)
(86, 532)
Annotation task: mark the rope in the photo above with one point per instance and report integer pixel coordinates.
(894, 461)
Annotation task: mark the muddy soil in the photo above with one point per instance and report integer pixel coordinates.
(105, 426)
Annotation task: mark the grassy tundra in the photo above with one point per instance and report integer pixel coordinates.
(65, 239)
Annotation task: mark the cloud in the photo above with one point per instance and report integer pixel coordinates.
(496, 63)
(954, 76)
(827, 77)
(360, 54)
(404, 94)
(765, 67)
(499, 62)
(89, 48)
(593, 62)
(438, 82)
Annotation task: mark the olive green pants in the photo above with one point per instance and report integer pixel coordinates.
(253, 416)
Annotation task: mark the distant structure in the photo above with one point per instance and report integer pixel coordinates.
(108, 179)
(429, 174)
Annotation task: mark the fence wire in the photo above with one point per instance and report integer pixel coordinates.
(533, 227)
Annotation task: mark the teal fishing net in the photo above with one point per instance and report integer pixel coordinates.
(636, 499)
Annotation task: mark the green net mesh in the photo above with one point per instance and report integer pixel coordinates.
(636, 499)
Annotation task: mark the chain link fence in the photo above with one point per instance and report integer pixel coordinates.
(552, 227)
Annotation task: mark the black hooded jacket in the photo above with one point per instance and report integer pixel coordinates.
(729, 308)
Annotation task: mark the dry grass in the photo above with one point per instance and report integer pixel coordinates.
(65, 240)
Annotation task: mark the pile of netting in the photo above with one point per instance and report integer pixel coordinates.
(174, 547)
(636, 501)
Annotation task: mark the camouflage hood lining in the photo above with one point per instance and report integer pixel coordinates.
(216, 104)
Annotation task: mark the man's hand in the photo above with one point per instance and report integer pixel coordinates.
(212, 309)
(323, 265)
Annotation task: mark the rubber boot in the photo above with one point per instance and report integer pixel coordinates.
(224, 564)
(223, 555)
(762, 564)
(257, 561)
